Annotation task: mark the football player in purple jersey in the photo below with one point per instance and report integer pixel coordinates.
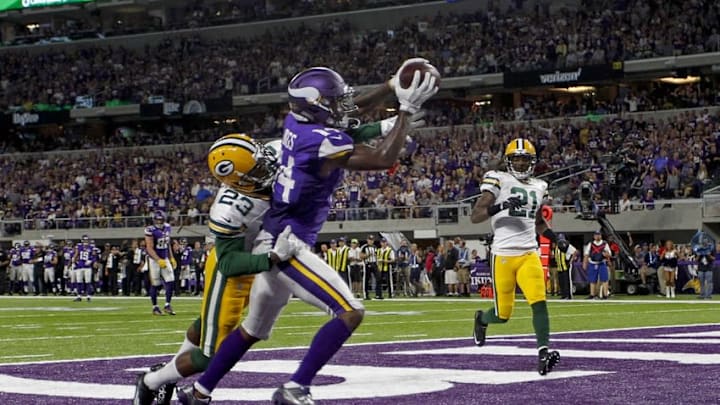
(50, 259)
(67, 255)
(15, 270)
(83, 261)
(27, 254)
(316, 151)
(160, 261)
(185, 265)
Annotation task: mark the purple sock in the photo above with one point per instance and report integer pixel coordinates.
(153, 295)
(326, 343)
(230, 352)
(168, 292)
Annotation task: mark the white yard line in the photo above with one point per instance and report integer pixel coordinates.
(26, 356)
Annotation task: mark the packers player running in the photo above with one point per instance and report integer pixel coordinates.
(512, 199)
(246, 170)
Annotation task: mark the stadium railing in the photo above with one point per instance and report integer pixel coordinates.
(446, 213)
(711, 203)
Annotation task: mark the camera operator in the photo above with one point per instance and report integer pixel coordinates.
(584, 203)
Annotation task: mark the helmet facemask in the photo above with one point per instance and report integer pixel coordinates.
(520, 165)
(258, 180)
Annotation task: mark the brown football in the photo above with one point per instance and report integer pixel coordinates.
(406, 75)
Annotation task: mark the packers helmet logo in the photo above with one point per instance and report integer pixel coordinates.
(224, 168)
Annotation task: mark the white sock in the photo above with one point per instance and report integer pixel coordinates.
(199, 388)
(168, 373)
(292, 384)
(186, 346)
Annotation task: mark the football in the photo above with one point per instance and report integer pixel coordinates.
(406, 75)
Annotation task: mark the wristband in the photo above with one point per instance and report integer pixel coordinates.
(494, 209)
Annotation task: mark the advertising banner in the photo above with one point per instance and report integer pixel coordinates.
(563, 77)
(22, 119)
(21, 4)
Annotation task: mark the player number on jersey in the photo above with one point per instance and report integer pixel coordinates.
(241, 203)
(163, 242)
(285, 179)
(523, 195)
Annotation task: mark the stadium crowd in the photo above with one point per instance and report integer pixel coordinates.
(492, 41)
(653, 96)
(649, 159)
(184, 15)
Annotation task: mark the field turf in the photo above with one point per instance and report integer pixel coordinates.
(53, 328)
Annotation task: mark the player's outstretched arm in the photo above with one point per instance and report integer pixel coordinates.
(369, 100)
(386, 154)
(365, 157)
(368, 132)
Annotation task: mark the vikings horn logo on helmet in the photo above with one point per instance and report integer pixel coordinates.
(320, 95)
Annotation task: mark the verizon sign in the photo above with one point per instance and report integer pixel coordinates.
(560, 77)
(581, 75)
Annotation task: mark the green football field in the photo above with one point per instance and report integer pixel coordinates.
(53, 328)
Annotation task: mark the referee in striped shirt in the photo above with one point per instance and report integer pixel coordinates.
(368, 253)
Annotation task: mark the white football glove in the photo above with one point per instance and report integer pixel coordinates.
(394, 81)
(286, 245)
(416, 121)
(412, 98)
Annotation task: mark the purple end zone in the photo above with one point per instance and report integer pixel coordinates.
(643, 376)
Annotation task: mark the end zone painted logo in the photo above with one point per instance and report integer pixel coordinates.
(660, 365)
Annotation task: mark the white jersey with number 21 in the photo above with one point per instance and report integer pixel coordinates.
(514, 229)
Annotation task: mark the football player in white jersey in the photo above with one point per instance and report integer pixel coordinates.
(246, 169)
(512, 199)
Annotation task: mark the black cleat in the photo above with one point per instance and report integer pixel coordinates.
(143, 394)
(547, 361)
(165, 393)
(480, 329)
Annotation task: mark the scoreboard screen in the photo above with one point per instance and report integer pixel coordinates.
(22, 4)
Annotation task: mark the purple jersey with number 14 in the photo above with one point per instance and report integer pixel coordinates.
(301, 195)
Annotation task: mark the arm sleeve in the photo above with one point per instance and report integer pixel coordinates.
(365, 133)
(234, 261)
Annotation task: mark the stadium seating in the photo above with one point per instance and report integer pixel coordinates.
(592, 35)
(443, 165)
